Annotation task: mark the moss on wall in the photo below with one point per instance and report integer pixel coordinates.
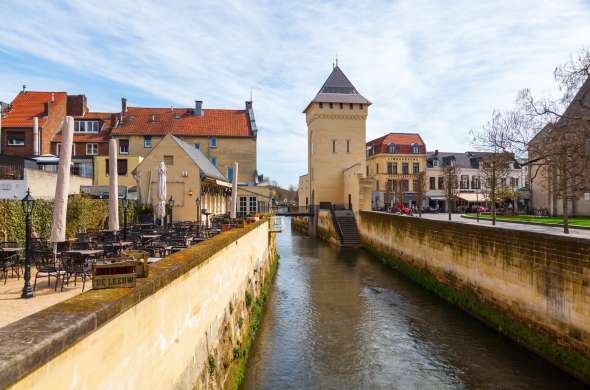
(502, 249)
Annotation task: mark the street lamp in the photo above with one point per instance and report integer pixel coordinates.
(28, 203)
(125, 206)
(171, 205)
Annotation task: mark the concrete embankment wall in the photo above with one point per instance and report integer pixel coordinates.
(183, 327)
(532, 287)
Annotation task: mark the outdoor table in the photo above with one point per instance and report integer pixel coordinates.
(11, 250)
(150, 236)
(122, 244)
(86, 253)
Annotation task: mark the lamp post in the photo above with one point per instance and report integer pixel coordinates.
(28, 203)
(170, 206)
(125, 206)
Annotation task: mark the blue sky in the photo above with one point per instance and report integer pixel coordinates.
(433, 67)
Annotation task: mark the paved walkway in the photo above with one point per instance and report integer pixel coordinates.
(578, 233)
(13, 307)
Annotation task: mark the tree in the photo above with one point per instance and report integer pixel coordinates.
(495, 168)
(450, 183)
(553, 134)
(420, 191)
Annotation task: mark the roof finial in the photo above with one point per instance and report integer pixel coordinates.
(336, 59)
(250, 93)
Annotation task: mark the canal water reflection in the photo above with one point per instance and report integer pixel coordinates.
(339, 319)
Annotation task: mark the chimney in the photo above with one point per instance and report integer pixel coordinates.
(35, 136)
(24, 88)
(198, 107)
(123, 105)
(52, 97)
(248, 104)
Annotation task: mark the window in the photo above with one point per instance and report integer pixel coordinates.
(432, 183)
(415, 149)
(16, 138)
(361, 106)
(405, 169)
(82, 169)
(475, 183)
(87, 126)
(121, 166)
(252, 206)
(331, 105)
(147, 141)
(333, 146)
(91, 149)
(367, 171)
(405, 186)
(214, 161)
(351, 106)
(347, 146)
(441, 183)
(198, 146)
(169, 160)
(435, 162)
(389, 186)
(392, 168)
(57, 149)
(342, 106)
(321, 105)
(230, 173)
(123, 146)
(416, 167)
(474, 163)
(155, 118)
(391, 148)
(415, 185)
(243, 204)
(514, 182)
(213, 142)
(73, 149)
(377, 186)
(377, 168)
(464, 182)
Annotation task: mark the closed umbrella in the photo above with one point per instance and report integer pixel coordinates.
(234, 192)
(113, 187)
(161, 203)
(62, 188)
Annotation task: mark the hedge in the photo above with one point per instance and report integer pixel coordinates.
(83, 213)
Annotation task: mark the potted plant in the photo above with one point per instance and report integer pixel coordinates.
(226, 224)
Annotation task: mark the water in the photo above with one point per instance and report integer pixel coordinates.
(339, 319)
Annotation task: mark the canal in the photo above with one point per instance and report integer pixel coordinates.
(340, 319)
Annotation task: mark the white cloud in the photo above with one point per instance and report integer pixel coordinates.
(428, 66)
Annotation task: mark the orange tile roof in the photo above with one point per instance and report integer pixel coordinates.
(27, 105)
(403, 142)
(180, 121)
(107, 119)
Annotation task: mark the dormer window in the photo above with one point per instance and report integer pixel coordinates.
(213, 142)
(391, 148)
(415, 149)
(154, 118)
(435, 162)
(87, 126)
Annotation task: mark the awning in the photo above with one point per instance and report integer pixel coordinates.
(471, 197)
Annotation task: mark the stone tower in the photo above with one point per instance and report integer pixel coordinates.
(336, 129)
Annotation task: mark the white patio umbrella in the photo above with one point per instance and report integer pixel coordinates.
(161, 203)
(234, 192)
(113, 187)
(62, 188)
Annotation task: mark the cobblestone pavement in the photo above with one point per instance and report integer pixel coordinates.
(13, 307)
(578, 233)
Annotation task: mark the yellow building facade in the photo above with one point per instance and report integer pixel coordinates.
(336, 128)
(125, 167)
(395, 161)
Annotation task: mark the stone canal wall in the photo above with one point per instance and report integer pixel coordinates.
(532, 287)
(182, 327)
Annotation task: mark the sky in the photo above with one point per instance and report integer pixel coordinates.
(438, 68)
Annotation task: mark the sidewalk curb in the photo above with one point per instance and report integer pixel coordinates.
(531, 223)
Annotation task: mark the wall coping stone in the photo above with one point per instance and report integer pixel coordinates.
(30, 342)
(504, 231)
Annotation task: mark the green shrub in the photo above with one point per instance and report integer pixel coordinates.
(211, 364)
(248, 298)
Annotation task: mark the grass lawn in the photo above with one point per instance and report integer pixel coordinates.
(573, 221)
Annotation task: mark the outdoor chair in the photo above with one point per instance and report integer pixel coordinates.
(74, 265)
(9, 263)
(45, 265)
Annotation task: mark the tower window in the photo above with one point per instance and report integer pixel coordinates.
(361, 106)
(351, 106)
(321, 105)
(333, 146)
(347, 146)
(331, 105)
(341, 106)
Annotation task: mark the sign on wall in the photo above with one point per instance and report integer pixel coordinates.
(276, 224)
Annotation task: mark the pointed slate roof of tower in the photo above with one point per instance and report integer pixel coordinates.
(338, 89)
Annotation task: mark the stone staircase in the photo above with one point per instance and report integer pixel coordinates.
(346, 223)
